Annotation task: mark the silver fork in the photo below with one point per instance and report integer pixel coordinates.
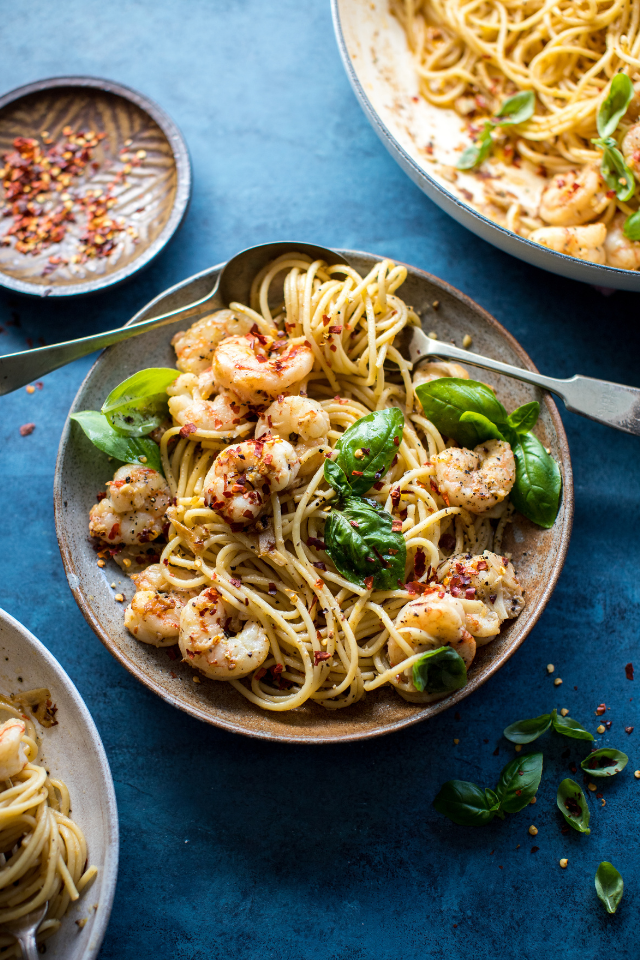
(25, 929)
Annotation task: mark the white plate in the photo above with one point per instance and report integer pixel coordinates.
(73, 752)
(380, 68)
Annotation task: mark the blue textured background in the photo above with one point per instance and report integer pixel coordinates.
(236, 848)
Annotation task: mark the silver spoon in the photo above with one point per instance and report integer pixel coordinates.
(610, 403)
(233, 285)
(25, 929)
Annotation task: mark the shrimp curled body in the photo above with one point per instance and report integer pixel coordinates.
(12, 755)
(134, 509)
(621, 252)
(242, 478)
(574, 198)
(208, 644)
(194, 347)
(583, 243)
(303, 422)
(478, 479)
(488, 589)
(153, 616)
(254, 368)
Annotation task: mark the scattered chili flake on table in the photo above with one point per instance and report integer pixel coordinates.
(629, 671)
(628, 729)
(26, 429)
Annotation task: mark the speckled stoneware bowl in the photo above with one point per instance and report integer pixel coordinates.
(153, 199)
(425, 140)
(82, 471)
(73, 752)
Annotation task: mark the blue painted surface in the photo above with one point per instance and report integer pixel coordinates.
(240, 849)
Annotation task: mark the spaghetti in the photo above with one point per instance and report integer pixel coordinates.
(43, 852)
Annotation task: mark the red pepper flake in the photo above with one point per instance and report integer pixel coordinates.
(39, 383)
(272, 590)
(496, 752)
(368, 582)
(600, 709)
(628, 729)
(357, 473)
(629, 671)
(573, 768)
(395, 497)
(259, 674)
(188, 429)
(335, 329)
(396, 440)
(325, 319)
(419, 564)
(333, 347)
(379, 485)
(315, 542)
(534, 849)
(481, 565)
(320, 657)
(396, 526)
(470, 593)
(100, 495)
(355, 524)
(26, 429)
(171, 653)
(235, 582)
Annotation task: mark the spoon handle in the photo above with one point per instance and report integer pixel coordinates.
(613, 404)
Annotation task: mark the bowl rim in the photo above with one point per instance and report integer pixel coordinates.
(109, 870)
(594, 273)
(180, 153)
(428, 710)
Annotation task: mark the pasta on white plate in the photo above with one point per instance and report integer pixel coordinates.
(321, 537)
(552, 88)
(43, 851)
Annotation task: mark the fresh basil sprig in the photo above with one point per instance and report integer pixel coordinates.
(631, 228)
(127, 449)
(470, 806)
(525, 731)
(572, 805)
(514, 110)
(605, 762)
(440, 671)
(470, 413)
(609, 886)
(139, 404)
(366, 450)
(360, 539)
(613, 108)
(615, 172)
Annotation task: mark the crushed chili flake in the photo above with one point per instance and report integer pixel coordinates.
(187, 429)
(396, 526)
(629, 671)
(315, 542)
(368, 582)
(319, 657)
(628, 729)
(600, 709)
(320, 565)
(235, 582)
(171, 653)
(419, 563)
(271, 589)
(26, 429)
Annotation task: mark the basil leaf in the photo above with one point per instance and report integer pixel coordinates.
(614, 107)
(605, 762)
(127, 449)
(474, 155)
(524, 418)
(517, 109)
(525, 731)
(573, 805)
(376, 438)
(336, 478)
(361, 542)
(609, 886)
(631, 228)
(484, 427)
(536, 492)
(466, 803)
(139, 404)
(519, 782)
(615, 172)
(569, 728)
(446, 399)
(440, 671)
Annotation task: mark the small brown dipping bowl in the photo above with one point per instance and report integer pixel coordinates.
(151, 197)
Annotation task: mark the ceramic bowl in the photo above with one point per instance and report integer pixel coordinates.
(72, 751)
(153, 199)
(379, 65)
(82, 470)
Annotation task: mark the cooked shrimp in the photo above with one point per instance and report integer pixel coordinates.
(208, 643)
(584, 243)
(303, 422)
(153, 616)
(488, 588)
(225, 413)
(134, 509)
(257, 368)
(631, 148)
(476, 479)
(621, 252)
(436, 369)
(194, 347)
(242, 478)
(433, 620)
(574, 198)
(12, 756)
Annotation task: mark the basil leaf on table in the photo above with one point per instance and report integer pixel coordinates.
(615, 172)
(361, 542)
(609, 886)
(631, 228)
(127, 449)
(569, 728)
(525, 731)
(536, 491)
(524, 418)
(517, 109)
(445, 400)
(573, 805)
(440, 671)
(519, 782)
(366, 449)
(466, 803)
(605, 762)
(614, 107)
(474, 155)
(139, 404)
(336, 478)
